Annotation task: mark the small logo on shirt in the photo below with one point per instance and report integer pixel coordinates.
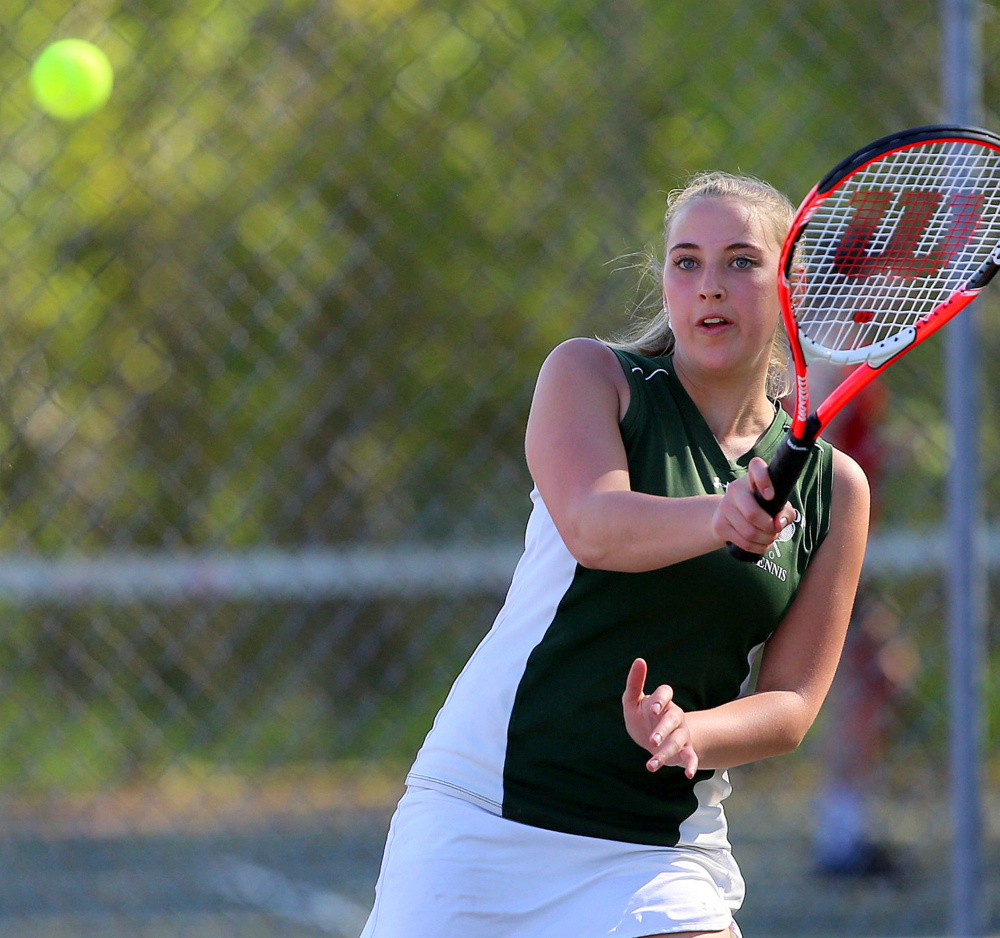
(769, 561)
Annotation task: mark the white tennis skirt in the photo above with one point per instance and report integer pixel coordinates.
(453, 870)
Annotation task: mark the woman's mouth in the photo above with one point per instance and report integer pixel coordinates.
(714, 322)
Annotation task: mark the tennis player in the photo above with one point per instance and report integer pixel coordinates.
(544, 801)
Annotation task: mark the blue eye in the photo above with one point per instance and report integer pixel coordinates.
(742, 262)
(686, 263)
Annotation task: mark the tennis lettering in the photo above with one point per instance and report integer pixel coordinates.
(899, 257)
(766, 564)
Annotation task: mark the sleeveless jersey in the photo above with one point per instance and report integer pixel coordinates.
(533, 729)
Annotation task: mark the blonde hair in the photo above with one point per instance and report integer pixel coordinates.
(651, 334)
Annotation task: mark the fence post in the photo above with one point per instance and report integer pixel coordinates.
(962, 83)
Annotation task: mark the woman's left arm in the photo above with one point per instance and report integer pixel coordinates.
(797, 665)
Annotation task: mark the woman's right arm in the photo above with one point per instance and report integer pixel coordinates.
(577, 460)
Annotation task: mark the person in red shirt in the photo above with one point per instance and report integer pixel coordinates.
(876, 667)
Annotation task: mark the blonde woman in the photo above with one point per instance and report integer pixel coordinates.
(544, 801)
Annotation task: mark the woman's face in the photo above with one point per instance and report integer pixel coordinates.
(720, 285)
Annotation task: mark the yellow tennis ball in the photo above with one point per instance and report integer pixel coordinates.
(71, 79)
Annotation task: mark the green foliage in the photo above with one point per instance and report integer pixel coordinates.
(322, 248)
(292, 284)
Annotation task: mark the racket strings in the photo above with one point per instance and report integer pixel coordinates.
(892, 243)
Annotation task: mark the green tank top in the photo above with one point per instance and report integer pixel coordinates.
(570, 764)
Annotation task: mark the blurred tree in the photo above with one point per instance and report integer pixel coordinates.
(292, 285)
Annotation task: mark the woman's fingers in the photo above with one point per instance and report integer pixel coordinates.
(760, 480)
(634, 684)
(741, 520)
(658, 701)
(656, 723)
(672, 753)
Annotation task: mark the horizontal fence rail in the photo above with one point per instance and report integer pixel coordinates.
(398, 572)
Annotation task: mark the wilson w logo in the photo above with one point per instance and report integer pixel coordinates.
(853, 257)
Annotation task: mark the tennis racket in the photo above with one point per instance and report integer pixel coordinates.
(891, 244)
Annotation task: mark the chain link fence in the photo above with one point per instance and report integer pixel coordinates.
(271, 323)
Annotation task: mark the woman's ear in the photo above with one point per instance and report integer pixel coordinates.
(797, 283)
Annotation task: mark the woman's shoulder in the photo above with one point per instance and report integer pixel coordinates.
(583, 351)
(580, 365)
(585, 356)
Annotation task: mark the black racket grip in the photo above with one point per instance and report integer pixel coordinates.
(784, 469)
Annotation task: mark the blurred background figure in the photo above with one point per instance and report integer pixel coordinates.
(876, 669)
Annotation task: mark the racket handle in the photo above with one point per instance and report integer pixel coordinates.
(784, 469)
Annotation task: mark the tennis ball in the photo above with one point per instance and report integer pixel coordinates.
(71, 79)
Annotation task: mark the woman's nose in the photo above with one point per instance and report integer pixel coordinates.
(711, 286)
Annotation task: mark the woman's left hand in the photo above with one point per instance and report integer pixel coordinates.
(656, 723)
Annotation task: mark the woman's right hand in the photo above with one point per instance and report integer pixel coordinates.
(739, 518)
